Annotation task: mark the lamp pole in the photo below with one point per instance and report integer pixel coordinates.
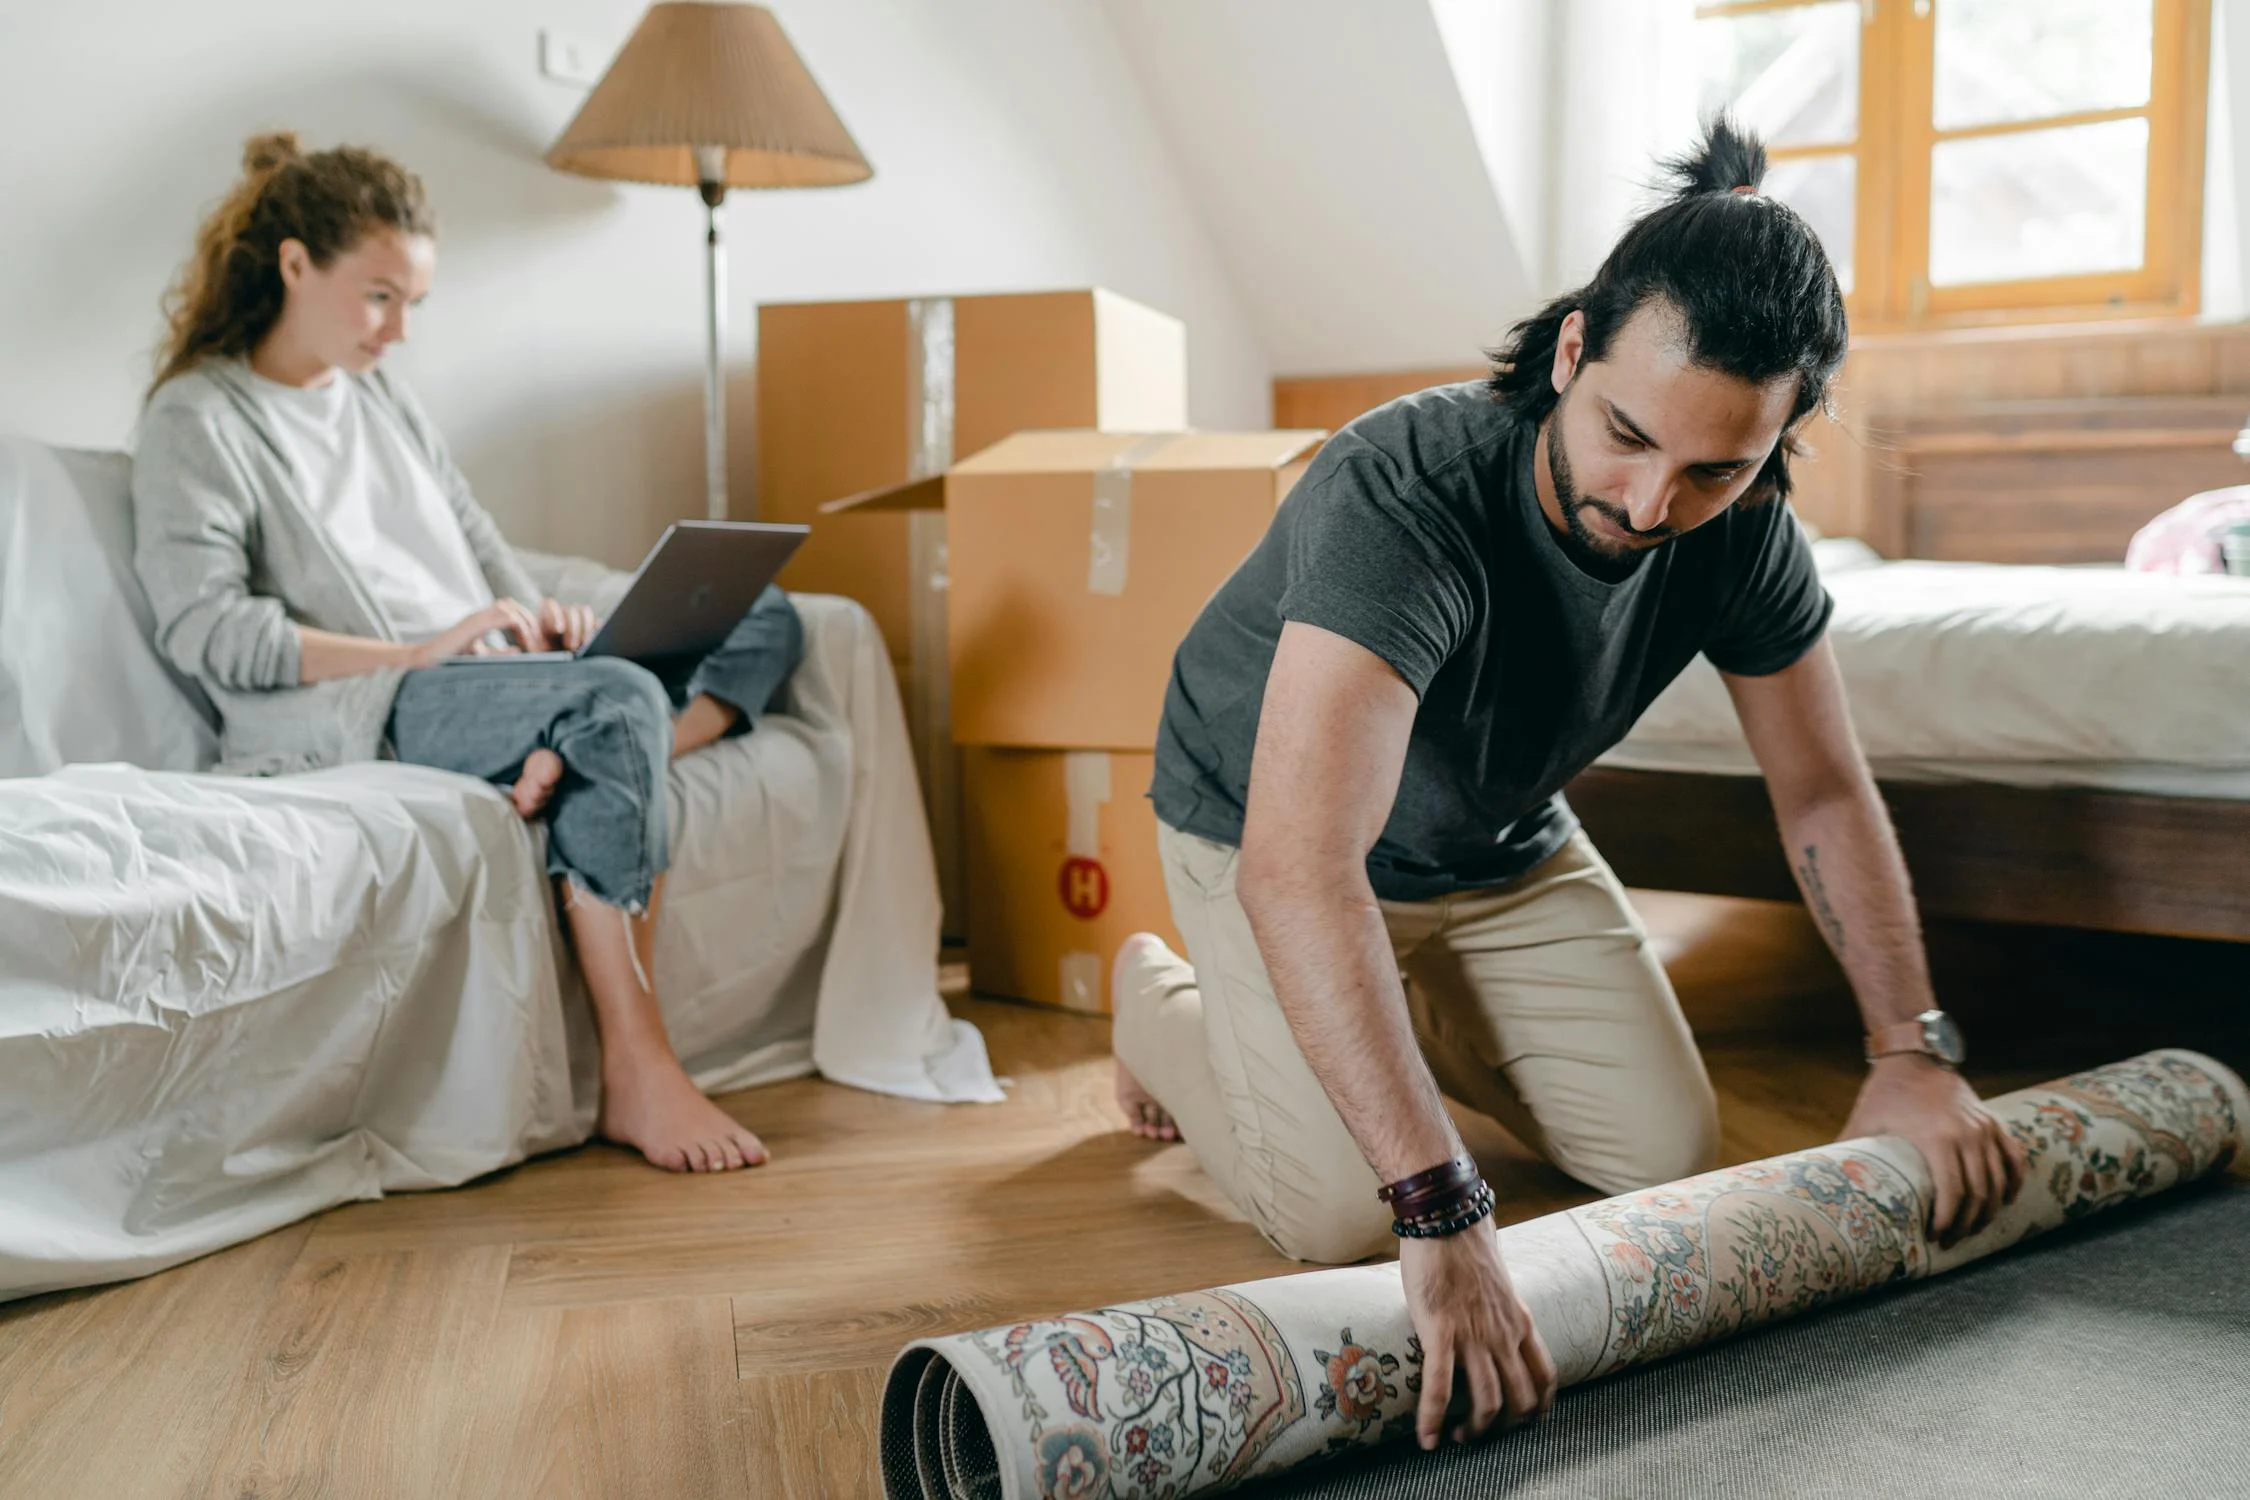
(711, 175)
(724, 77)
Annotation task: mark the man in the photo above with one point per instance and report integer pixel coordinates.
(1473, 593)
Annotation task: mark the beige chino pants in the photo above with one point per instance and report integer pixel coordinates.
(1539, 1003)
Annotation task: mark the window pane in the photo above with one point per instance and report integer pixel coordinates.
(1822, 188)
(2040, 203)
(1791, 75)
(2028, 59)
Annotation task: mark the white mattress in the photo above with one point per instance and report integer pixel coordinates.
(2043, 677)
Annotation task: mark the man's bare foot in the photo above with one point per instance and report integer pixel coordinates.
(654, 1107)
(1143, 1115)
(536, 782)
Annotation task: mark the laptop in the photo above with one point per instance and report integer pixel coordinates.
(694, 587)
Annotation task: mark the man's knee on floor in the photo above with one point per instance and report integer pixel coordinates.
(1664, 1145)
(1329, 1228)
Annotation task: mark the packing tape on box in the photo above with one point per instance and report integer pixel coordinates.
(1082, 981)
(1085, 789)
(1086, 786)
(929, 380)
(1111, 547)
(929, 449)
(930, 408)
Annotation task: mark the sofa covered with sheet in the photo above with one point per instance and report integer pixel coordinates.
(228, 1003)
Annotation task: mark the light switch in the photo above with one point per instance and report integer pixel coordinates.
(568, 59)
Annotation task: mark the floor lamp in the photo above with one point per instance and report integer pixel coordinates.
(709, 94)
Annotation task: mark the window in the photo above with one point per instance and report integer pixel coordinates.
(1979, 160)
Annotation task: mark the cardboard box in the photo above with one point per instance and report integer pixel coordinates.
(1062, 869)
(860, 396)
(1077, 562)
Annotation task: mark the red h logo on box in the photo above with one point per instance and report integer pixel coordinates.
(1084, 886)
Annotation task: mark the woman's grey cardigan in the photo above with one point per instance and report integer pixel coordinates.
(233, 562)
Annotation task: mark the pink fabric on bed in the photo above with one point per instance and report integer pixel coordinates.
(2183, 539)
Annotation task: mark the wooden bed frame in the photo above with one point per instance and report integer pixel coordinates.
(2017, 482)
(2062, 858)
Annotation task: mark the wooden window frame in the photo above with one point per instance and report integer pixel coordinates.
(1894, 145)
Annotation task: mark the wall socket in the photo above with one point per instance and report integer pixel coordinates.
(569, 59)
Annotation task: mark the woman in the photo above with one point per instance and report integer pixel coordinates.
(315, 560)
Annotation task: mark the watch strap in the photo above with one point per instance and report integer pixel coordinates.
(1900, 1036)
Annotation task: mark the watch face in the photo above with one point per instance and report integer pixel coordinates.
(1943, 1037)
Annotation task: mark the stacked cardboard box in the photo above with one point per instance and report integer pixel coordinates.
(1079, 560)
(855, 397)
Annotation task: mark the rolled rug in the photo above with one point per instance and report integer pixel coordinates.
(1186, 1395)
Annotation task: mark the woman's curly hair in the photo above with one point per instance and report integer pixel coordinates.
(230, 293)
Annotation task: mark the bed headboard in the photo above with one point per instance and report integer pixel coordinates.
(2056, 481)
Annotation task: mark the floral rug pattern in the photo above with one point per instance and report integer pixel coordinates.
(1190, 1394)
(1169, 1397)
(1713, 1255)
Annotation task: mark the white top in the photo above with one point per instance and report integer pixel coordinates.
(2035, 675)
(381, 504)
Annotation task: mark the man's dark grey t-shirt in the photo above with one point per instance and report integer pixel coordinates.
(1417, 534)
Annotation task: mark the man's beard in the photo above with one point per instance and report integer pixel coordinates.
(1596, 553)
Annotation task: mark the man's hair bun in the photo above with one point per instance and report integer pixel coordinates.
(1728, 159)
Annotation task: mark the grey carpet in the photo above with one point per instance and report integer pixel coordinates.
(2112, 1359)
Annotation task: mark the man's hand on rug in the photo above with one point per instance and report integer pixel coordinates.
(1470, 1319)
(1976, 1166)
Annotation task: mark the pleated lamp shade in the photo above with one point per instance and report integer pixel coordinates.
(706, 80)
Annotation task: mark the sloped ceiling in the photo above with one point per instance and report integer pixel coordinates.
(1329, 151)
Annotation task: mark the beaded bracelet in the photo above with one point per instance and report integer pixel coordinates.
(1441, 1225)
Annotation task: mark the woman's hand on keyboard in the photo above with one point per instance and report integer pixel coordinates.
(569, 625)
(468, 637)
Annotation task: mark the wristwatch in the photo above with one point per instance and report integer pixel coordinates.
(1932, 1033)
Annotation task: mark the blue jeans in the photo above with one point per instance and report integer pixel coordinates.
(611, 722)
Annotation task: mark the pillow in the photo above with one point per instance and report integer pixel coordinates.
(1843, 554)
(80, 676)
(2183, 539)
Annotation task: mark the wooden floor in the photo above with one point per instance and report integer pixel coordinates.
(586, 1326)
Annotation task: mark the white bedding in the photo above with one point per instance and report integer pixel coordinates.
(2034, 676)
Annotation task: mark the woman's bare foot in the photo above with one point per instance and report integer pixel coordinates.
(1143, 1115)
(704, 721)
(652, 1106)
(535, 783)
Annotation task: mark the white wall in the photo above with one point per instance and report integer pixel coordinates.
(1622, 96)
(2226, 160)
(1572, 102)
(1505, 55)
(562, 350)
(1329, 149)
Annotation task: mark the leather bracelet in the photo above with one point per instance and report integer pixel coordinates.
(1476, 1211)
(1438, 1205)
(1451, 1206)
(1445, 1178)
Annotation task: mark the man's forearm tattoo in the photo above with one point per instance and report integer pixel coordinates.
(1816, 896)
